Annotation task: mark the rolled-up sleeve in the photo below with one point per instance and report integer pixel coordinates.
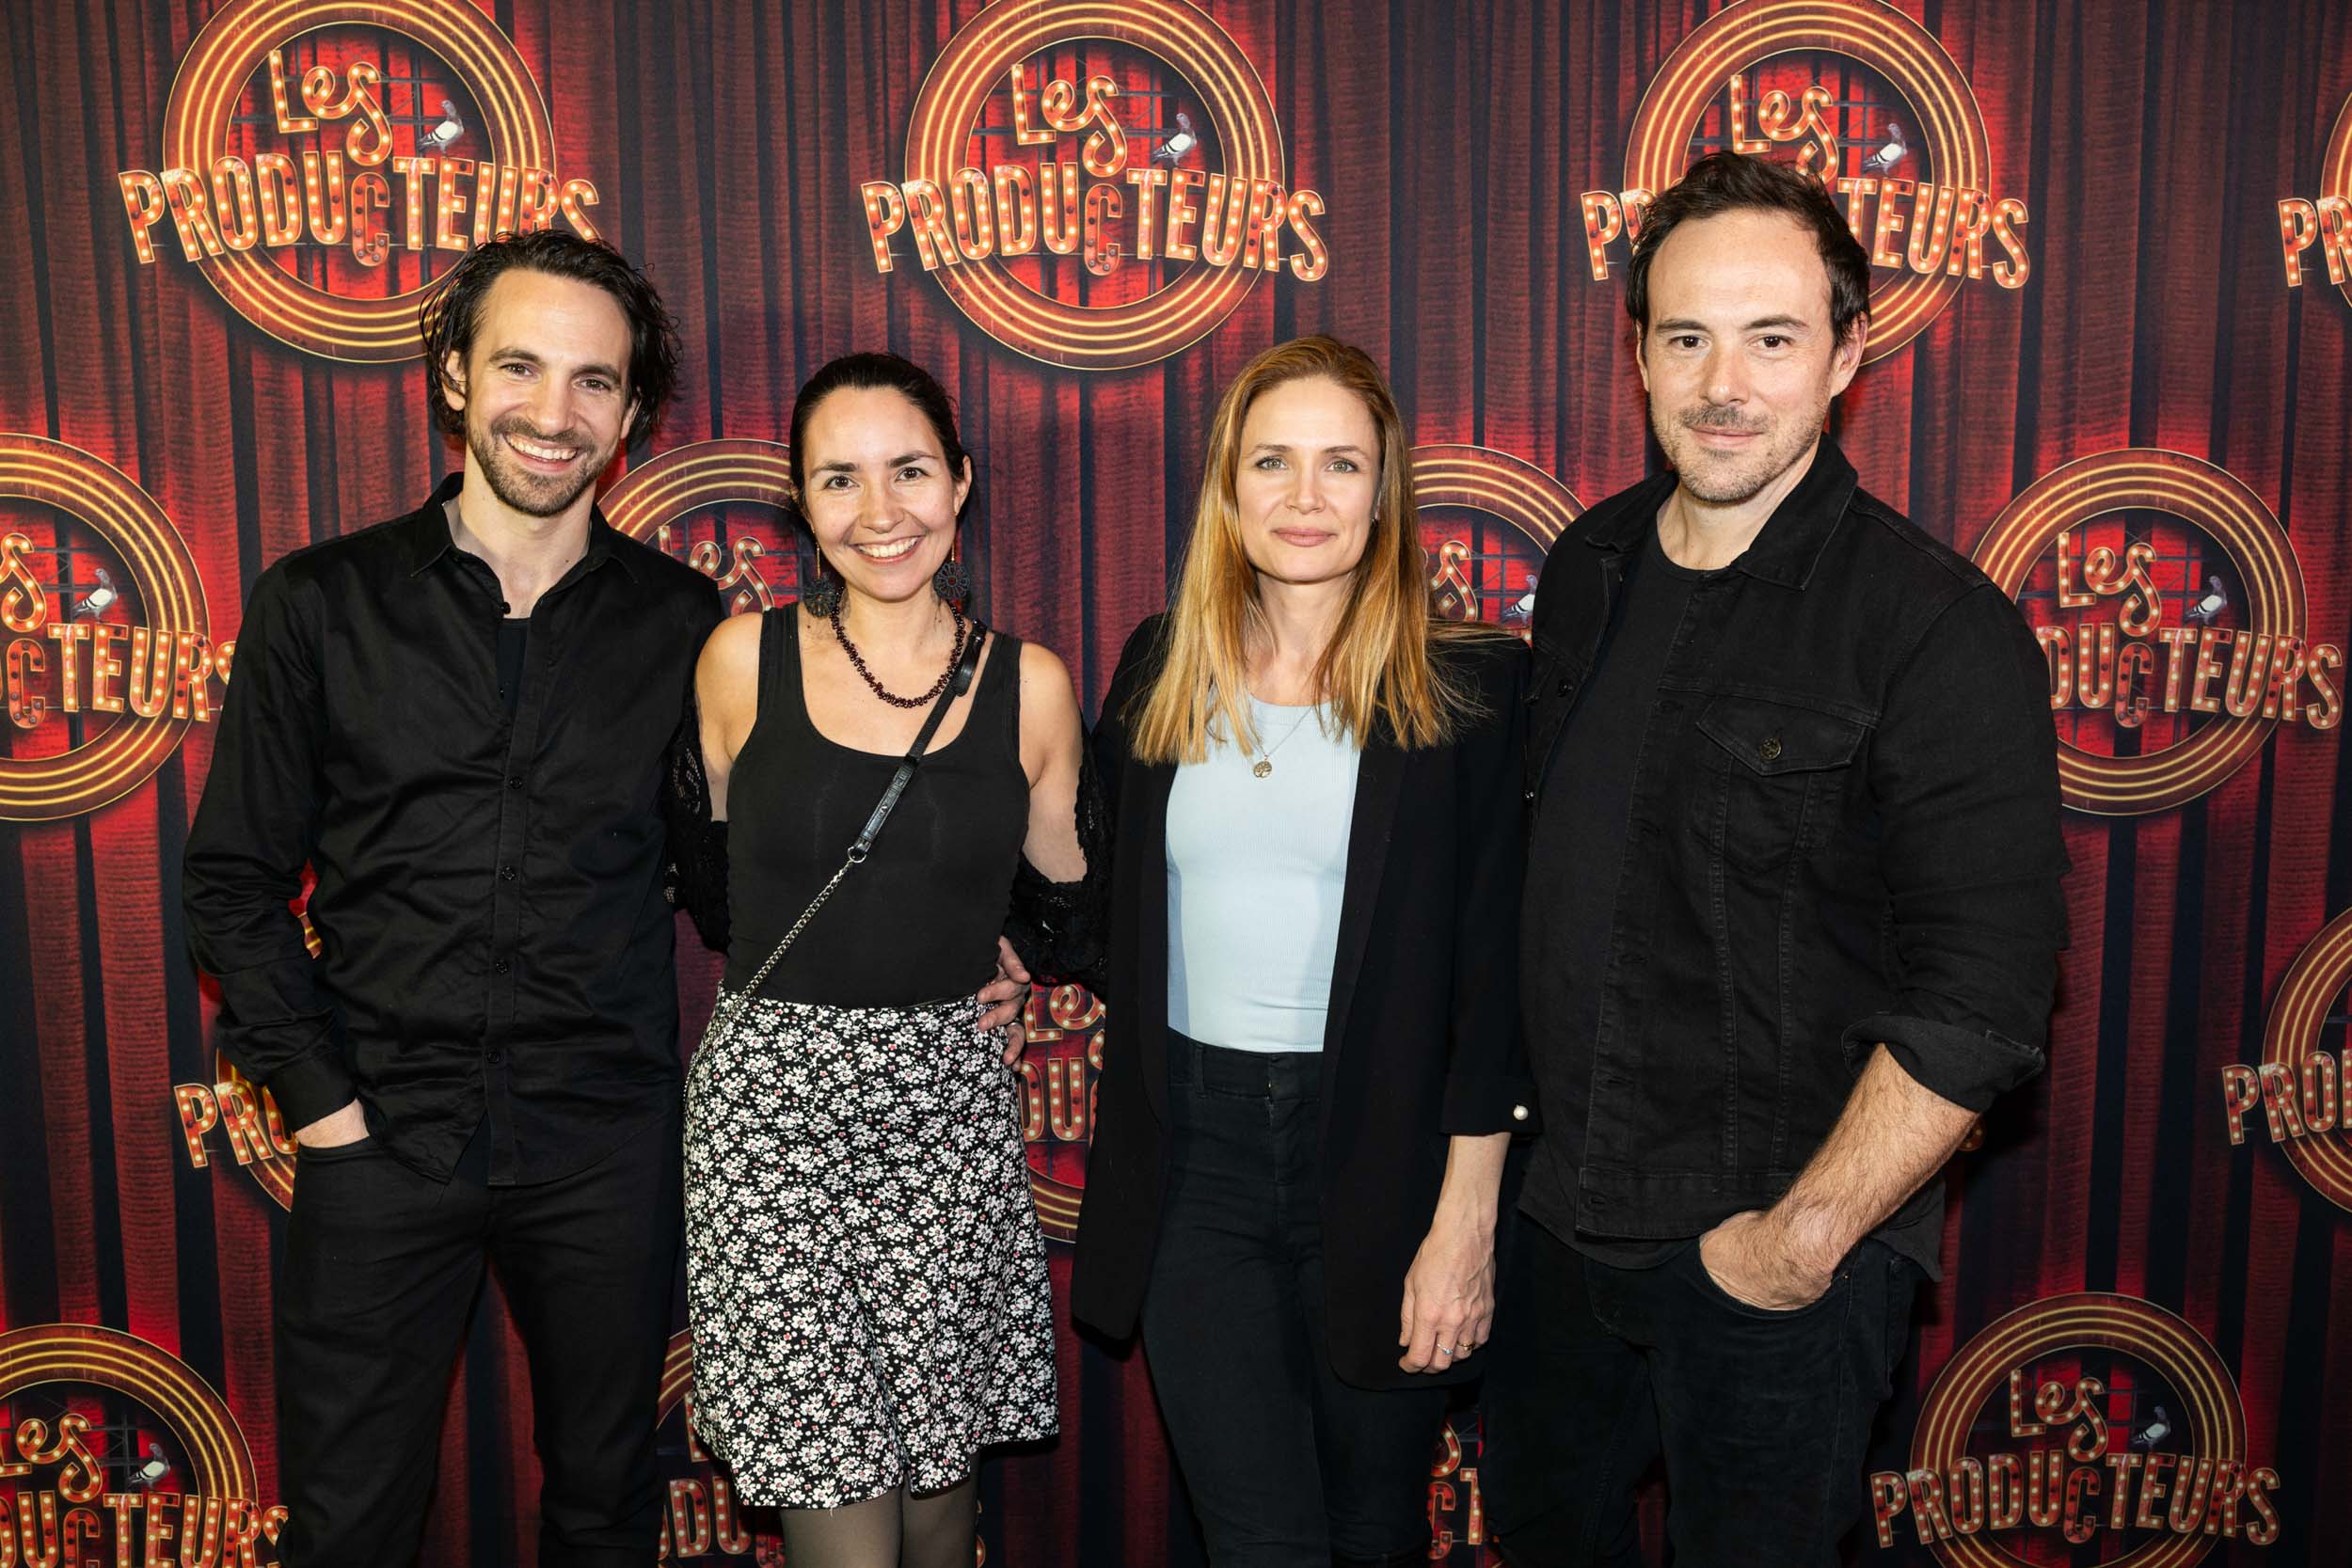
(1488, 1088)
(253, 833)
(1964, 776)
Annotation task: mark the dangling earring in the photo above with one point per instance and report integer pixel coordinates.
(821, 597)
(951, 582)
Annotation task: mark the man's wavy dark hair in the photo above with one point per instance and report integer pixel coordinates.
(452, 313)
(1732, 182)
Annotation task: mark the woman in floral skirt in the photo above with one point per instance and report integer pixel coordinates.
(866, 1279)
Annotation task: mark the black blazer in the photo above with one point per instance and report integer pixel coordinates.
(1422, 1040)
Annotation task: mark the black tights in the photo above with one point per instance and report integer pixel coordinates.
(898, 1529)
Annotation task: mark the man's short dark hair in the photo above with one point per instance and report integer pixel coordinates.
(1732, 182)
(452, 313)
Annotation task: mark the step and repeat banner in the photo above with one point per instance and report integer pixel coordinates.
(2109, 361)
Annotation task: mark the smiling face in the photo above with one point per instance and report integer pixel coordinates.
(879, 493)
(1739, 358)
(1307, 480)
(543, 389)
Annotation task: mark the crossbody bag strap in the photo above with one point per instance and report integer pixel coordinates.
(903, 775)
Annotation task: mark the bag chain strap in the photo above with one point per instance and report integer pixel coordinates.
(965, 665)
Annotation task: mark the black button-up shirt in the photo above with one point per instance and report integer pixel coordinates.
(1844, 831)
(495, 942)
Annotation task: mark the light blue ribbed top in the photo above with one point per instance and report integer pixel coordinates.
(1256, 868)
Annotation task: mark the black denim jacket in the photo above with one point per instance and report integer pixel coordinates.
(1845, 832)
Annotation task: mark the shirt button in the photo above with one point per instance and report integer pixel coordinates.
(500, 967)
(495, 1059)
(1519, 1113)
(507, 873)
(514, 780)
(1530, 797)
(1769, 750)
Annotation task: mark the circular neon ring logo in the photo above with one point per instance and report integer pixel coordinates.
(677, 1374)
(87, 1354)
(2217, 501)
(950, 101)
(2096, 1320)
(1509, 487)
(2291, 1038)
(2335, 169)
(1879, 36)
(35, 468)
(705, 473)
(213, 73)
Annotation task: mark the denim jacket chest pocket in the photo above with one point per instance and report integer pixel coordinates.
(1777, 773)
(1557, 676)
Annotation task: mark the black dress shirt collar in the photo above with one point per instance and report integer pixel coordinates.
(426, 535)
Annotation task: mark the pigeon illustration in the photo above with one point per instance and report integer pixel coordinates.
(1887, 157)
(448, 131)
(99, 599)
(2159, 1425)
(2213, 603)
(1522, 608)
(139, 1473)
(148, 1472)
(1179, 142)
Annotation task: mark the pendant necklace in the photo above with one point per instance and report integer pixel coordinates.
(1264, 764)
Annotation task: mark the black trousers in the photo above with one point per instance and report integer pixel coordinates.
(1762, 1417)
(1287, 1465)
(383, 1269)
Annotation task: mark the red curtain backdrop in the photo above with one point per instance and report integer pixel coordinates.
(2151, 142)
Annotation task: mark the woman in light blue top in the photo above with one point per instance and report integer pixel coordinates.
(1299, 1140)
(1256, 870)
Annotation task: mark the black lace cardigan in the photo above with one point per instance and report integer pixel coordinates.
(1060, 930)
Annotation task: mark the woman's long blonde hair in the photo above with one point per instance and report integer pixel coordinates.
(1377, 669)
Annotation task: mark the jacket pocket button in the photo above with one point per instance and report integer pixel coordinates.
(1769, 750)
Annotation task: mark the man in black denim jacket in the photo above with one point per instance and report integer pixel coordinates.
(1791, 923)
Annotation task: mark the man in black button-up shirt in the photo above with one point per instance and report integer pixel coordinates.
(496, 948)
(1791, 921)
(458, 719)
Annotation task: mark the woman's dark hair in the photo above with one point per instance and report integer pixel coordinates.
(1732, 183)
(451, 314)
(863, 372)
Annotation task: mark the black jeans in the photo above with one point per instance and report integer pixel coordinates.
(1763, 1416)
(383, 1268)
(1288, 1466)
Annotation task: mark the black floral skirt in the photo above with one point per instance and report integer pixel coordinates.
(865, 1276)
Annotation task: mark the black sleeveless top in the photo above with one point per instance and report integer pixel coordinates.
(918, 921)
